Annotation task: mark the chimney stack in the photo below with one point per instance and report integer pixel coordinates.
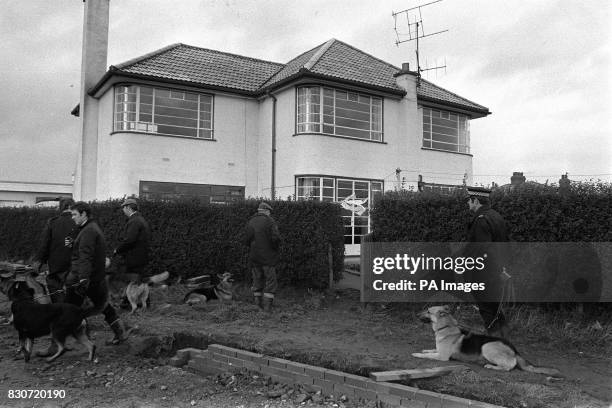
(517, 178)
(93, 67)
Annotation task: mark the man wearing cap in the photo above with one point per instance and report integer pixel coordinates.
(487, 226)
(56, 248)
(263, 238)
(134, 245)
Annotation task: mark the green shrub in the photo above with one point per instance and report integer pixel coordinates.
(190, 238)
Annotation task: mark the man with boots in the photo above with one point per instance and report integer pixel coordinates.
(55, 251)
(485, 230)
(263, 238)
(134, 245)
(87, 276)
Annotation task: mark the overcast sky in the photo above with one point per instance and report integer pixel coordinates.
(541, 67)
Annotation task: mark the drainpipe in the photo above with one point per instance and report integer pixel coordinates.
(273, 178)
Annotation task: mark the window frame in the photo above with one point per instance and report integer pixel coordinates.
(429, 135)
(123, 123)
(336, 179)
(321, 124)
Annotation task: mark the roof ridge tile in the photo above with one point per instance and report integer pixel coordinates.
(317, 55)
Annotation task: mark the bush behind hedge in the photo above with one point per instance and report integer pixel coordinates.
(190, 238)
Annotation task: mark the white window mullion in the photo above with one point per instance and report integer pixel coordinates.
(198, 116)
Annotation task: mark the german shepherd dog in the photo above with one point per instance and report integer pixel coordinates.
(452, 343)
(33, 320)
(8, 279)
(138, 293)
(223, 291)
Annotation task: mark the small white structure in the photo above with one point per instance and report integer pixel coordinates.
(21, 193)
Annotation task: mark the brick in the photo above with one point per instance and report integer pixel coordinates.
(448, 401)
(247, 355)
(433, 399)
(379, 387)
(277, 371)
(220, 358)
(177, 362)
(260, 360)
(301, 379)
(297, 367)
(403, 391)
(314, 372)
(277, 363)
(478, 404)
(335, 376)
(365, 394)
(204, 366)
(327, 387)
(387, 399)
(251, 366)
(410, 403)
(342, 389)
(356, 380)
(219, 349)
(235, 362)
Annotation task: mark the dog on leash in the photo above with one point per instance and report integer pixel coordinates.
(33, 320)
(138, 293)
(453, 343)
(223, 291)
(8, 279)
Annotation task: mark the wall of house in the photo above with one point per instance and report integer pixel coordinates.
(126, 158)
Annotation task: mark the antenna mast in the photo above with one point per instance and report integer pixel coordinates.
(415, 32)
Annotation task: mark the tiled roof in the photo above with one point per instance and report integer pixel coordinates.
(434, 93)
(182, 62)
(333, 59)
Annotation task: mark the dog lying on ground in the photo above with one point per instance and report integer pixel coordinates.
(33, 320)
(223, 291)
(452, 343)
(139, 293)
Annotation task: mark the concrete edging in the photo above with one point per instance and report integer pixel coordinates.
(218, 358)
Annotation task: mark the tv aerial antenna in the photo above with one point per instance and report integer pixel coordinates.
(414, 20)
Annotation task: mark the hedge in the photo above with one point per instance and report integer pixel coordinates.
(534, 213)
(190, 238)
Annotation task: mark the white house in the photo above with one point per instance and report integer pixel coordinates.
(334, 122)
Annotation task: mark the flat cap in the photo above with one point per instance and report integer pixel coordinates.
(129, 201)
(478, 191)
(264, 206)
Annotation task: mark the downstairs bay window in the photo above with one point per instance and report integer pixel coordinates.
(163, 111)
(443, 130)
(340, 113)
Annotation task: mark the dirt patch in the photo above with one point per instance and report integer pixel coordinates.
(332, 331)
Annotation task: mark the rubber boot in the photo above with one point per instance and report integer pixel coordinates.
(267, 304)
(121, 334)
(258, 300)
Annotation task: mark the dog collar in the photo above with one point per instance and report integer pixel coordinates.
(441, 328)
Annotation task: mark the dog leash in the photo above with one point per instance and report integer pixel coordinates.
(42, 296)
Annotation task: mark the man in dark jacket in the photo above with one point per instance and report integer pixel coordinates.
(56, 248)
(487, 227)
(134, 245)
(87, 276)
(263, 238)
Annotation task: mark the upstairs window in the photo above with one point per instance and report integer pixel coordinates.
(340, 113)
(163, 111)
(447, 131)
